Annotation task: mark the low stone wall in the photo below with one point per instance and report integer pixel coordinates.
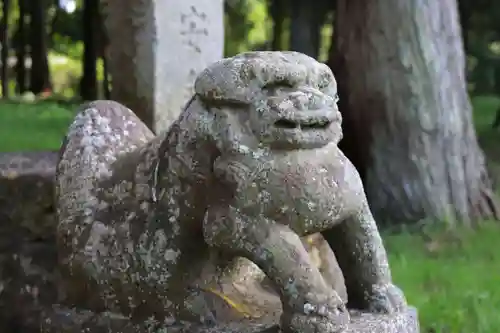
(28, 255)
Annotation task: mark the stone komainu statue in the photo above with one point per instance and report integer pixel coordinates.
(250, 165)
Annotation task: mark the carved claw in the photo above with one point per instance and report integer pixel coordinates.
(386, 299)
(328, 316)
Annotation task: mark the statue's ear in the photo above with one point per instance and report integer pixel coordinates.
(326, 81)
(199, 113)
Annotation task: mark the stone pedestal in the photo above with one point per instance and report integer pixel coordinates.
(156, 50)
(69, 321)
(28, 254)
(405, 322)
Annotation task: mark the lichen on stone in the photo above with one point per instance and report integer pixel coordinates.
(250, 166)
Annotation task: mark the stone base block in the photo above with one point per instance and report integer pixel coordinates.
(70, 321)
(405, 322)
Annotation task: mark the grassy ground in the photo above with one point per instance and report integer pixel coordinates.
(32, 126)
(452, 278)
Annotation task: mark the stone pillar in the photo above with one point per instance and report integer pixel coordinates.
(156, 50)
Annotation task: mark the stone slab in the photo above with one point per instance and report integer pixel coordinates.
(156, 51)
(28, 256)
(71, 321)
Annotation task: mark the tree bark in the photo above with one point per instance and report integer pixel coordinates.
(5, 48)
(408, 124)
(21, 49)
(88, 88)
(39, 74)
(465, 14)
(277, 11)
(306, 19)
(58, 11)
(103, 42)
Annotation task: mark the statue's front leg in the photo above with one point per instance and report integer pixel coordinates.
(361, 255)
(307, 299)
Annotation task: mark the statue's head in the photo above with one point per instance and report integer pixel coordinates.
(275, 100)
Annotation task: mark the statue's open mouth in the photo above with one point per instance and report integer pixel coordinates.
(305, 129)
(304, 124)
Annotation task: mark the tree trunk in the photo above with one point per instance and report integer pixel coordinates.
(5, 48)
(39, 74)
(304, 28)
(58, 11)
(408, 124)
(102, 41)
(465, 14)
(21, 49)
(88, 89)
(277, 11)
(106, 89)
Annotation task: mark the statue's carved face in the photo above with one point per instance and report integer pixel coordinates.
(280, 100)
(295, 116)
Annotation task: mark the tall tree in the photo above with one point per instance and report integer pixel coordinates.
(465, 13)
(5, 48)
(408, 123)
(39, 74)
(20, 44)
(58, 12)
(88, 88)
(306, 19)
(103, 42)
(277, 11)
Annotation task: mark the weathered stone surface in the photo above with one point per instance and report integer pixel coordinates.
(27, 191)
(147, 223)
(28, 255)
(28, 260)
(157, 50)
(252, 293)
(71, 321)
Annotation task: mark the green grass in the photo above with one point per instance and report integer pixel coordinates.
(32, 126)
(484, 112)
(452, 278)
(485, 108)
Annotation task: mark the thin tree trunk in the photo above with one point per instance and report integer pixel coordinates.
(21, 49)
(5, 48)
(103, 42)
(88, 89)
(408, 124)
(53, 24)
(307, 19)
(277, 10)
(39, 74)
(304, 33)
(105, 82)
(465, 14)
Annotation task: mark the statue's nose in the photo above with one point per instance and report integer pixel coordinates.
(310, 99)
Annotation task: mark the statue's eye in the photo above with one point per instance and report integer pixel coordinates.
(336, 98)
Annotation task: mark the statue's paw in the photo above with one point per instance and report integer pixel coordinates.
(386, 299)
(330, 316)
